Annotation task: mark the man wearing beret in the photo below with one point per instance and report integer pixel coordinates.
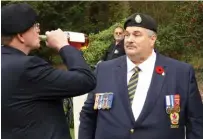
(143, 95)
(32, 90)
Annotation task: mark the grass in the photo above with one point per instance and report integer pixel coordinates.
(72, 133)
(199, 76)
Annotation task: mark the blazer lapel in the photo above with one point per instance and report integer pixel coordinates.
(154, 90)
(120, 74)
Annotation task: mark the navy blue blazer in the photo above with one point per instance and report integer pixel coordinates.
(32, 92)
(153, 122)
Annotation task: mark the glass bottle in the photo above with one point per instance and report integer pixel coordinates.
(76, 39)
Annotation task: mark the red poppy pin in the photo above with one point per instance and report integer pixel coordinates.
(160, 70)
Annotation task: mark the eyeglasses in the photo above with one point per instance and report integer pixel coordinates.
(118, 33)
(36, 26)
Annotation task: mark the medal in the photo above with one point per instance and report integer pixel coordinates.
(110, 100)
(173, 109)
(168, 105)
(100, 101)
(96, 101)
(174, 120)
(105, 101)
(177, 103)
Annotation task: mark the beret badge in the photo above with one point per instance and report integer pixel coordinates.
(138, 19)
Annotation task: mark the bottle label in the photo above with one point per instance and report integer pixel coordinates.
(75, 36)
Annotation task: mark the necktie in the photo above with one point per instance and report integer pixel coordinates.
(132, 85)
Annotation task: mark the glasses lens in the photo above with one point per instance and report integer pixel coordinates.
(118, 33)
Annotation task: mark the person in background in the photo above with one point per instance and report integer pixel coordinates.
(116, 49)
(32, 90)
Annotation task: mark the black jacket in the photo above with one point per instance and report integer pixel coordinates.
(32, 90)
(114, 51)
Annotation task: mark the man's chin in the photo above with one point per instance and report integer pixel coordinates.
(118, 40)
(131, 52)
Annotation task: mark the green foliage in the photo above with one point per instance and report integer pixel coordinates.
(182, 38)
(72, 133)
(162, 11)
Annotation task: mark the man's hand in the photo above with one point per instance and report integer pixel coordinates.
(56, 39)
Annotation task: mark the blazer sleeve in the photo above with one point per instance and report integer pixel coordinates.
(194, 127)
(48, 82)
(88, 117)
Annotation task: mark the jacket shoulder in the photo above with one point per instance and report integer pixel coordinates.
(181, 65)
(113, 62)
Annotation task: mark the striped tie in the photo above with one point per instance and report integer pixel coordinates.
(132, 85)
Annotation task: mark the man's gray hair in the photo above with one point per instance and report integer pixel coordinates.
(151, 33)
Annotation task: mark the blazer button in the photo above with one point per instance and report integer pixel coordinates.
(132, 130)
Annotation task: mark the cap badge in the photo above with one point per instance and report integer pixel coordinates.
(138, 19)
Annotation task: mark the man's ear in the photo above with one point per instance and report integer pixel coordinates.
(20, 38)
(153, 40)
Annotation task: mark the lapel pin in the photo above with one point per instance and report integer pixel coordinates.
(160, 70)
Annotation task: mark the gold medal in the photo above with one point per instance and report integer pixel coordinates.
(174, 119)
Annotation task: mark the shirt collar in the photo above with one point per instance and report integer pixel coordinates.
(143, 66)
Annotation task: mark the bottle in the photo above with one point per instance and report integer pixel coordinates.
(76, 39)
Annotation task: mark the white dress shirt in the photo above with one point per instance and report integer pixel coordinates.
(144, 80)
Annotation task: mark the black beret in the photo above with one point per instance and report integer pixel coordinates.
(17, 18)
(141, 20)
